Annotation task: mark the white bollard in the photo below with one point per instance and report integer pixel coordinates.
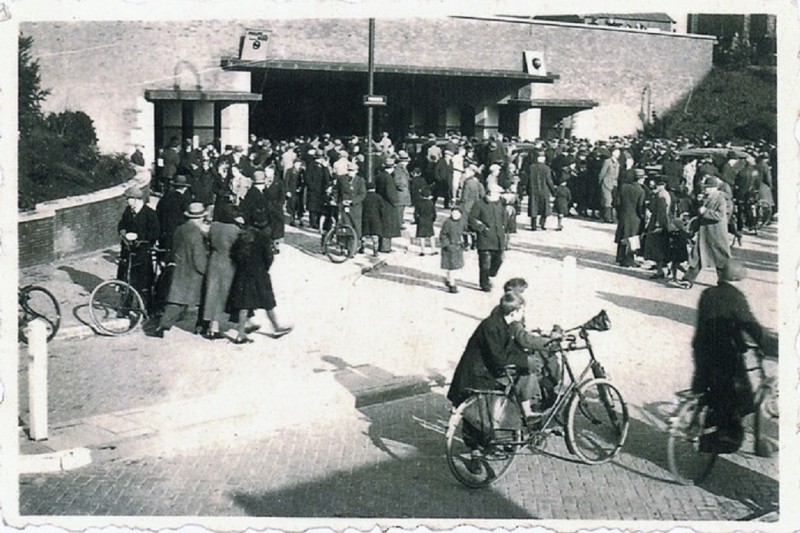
(569, 285)
(37, 379)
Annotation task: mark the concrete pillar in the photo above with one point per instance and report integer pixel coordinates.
(530, 124)
(583, 125)
(486, 121)
(37, 379)
(235, 127)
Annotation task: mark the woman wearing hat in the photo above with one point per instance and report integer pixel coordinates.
(219, 276)
(190, 256)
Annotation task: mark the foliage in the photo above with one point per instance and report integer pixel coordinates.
(30, 93)
(729, 105)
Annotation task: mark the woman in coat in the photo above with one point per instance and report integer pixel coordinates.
(657, 241)
(251, 289)
(219, 276)
(372, 216)
(450, 239)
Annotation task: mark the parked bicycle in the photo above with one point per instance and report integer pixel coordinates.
(115, 306)
(488, 430)
(689, 425)
(341, 241)
(37, 302)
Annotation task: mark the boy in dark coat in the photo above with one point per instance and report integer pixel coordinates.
(424, 217)
(563, 201)
(372, 217)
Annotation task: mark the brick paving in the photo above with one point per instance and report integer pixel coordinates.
(271, 428)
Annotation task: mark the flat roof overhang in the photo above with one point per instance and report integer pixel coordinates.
(558, 103)
(280, 64)
(153, 95)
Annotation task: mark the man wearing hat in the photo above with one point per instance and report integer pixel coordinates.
(608, 179)
(294, 179)
(631, 217)
(443, 178)
(657, 240)
(350, 192)
(138, 229)
(255, 199)
(318, 177)
(171, 207)
(723, 316)
(190, 255)
(170, 159)
(488, 220)
(730, 168)
(387, 190)
(711, 249)
(402, 181)
(539, 185)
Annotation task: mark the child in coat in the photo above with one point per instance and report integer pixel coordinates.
(371, 221)
(424, 217)
(452, 247)
(563, 201)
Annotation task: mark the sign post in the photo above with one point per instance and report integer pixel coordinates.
(371, 73)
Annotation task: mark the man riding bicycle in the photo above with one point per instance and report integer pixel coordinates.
(724, 320)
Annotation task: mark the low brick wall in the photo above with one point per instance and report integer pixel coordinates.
(70, 226)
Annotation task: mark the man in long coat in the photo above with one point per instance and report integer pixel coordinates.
(631, 216)
(711, 249)
(351, 190)
(318, 178)
(443, 178)
(539, 185)
(170, 209)
(488, 220)
(608, 178)
(191, 259)
(657, 239)
(387, 190)
(139, 221)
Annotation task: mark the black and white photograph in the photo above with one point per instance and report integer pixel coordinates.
(286, 265)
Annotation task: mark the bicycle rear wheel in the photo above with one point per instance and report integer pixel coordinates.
(340, 243)
(686, 461)
(37, 302)
(475, 458)
(597, 421)
(116, 308)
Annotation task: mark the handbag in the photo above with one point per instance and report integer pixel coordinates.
(634, 243)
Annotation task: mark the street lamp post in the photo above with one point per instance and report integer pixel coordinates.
(371, 72)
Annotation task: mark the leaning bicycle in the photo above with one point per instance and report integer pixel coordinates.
(488, 430)
(35, 302)
(341, 241)
(691, 427)
(116, 307)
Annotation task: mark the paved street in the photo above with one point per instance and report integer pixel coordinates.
(184, 426)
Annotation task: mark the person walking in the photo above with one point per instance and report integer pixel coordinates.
(294, 182)
(402, 181)
(251, 289)
(190, 255)
(608, 179)
(450, 241)
(631, 216)
(170, 209)
(424, 217)
(488, 219)
(711, 248)
(539, 185)
(219, 276)
(657, 240)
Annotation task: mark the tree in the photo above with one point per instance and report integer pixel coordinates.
(31, 93)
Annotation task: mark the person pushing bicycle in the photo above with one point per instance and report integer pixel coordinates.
(724, 321)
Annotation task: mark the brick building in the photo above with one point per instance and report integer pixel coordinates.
(143, 82)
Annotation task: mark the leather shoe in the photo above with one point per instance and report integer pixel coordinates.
(242, 340)
(213, 335)
(158, 333)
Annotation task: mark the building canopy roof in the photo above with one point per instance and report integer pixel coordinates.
(152, 95)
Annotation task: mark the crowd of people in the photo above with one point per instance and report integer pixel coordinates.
(673, 207)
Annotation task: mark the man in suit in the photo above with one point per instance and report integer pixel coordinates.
(443, 178)
(190, 255)
(171, 208)
(609, 175)
(295, 186)
(350, 192)
(387, 190)
(488, 220)
(539, 185)
(631, 216)
(255, 199)
(318, 177)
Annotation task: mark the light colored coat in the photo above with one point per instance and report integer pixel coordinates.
(191, 260)
(712, 249)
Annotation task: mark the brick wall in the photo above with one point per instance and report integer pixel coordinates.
(104, 67)
(71, 226)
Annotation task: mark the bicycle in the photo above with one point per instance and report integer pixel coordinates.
(688, 458)
(37, 302)
(341, 241)
(115, 306)
(488, 430)
(758, 213)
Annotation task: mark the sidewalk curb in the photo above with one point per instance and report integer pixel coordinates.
(55, 461)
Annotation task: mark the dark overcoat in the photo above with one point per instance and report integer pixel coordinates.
(252, 285)
(424, 217)
(372, 215)
(355, 191)
(170, 214)
(631, 211)
(539, 186)
(275, 195)
(387, 190)
(658, 228)
(191, 259)
(145, 225)
(451, 243)
(488, 351)
(488, 219)
(318, 178)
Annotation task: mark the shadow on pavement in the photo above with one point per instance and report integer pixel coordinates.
(586, 258)
(85, 280)
(757, 259)
(409, 276)
(660, 308)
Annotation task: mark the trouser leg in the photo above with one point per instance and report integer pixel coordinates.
(173, 313)
(484, 265)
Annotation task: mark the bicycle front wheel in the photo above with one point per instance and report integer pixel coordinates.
(116, 308)
(597, 422)
(340, 243)
(686, 461)
(37, 302)
(474, 456)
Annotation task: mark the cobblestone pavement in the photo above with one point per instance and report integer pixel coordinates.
(186, 427)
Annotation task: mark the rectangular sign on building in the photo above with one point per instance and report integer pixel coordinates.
(534, 63)
(254, 45)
